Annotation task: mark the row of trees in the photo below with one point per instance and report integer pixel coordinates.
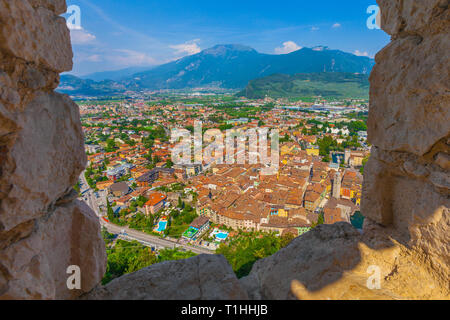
(327, 144)
(93, 176)
(245, 249)
(126, 257)
(142, 222)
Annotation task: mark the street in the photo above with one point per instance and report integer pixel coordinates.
(150, 240)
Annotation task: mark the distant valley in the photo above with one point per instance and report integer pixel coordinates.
(226, 66)
(328, 85)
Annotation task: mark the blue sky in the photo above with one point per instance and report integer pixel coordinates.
(117, 34)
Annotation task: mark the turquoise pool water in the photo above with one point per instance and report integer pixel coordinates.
(220, 235)
(162, 225)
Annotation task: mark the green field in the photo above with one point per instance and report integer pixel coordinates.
(303, 85)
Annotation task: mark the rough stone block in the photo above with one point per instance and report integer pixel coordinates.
(35, 35)
(57, 6)
(204, 277)
(402, 17)
(36, 267)
(43, 161)
(409, 97)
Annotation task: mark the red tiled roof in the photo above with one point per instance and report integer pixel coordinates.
(155, 198)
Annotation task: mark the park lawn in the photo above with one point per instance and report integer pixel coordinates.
(176, 231)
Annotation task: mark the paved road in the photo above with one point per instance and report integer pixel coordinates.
(151, 240)
(137, 235)
(91, 200)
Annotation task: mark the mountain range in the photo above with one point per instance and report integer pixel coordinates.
(224, 66)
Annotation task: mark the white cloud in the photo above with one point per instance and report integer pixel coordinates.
(128, 58)
(361, 54)
(314, 28)
(81, 36)
(336, 25)
(189, 47)
(110, 59)
(94, 58)
(288, 47)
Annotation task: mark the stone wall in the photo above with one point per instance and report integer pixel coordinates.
(43, 228)
(204, 277)
(407, 181)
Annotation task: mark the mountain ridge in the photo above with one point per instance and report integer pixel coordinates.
(229, 66)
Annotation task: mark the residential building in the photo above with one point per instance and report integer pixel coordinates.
(312, 200)
(103, 185)
(197, 228)
(120, 189)
(155, 203)
(332, 215)
(312, 150)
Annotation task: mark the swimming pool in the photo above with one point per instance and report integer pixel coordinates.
(220, 235)
(162, 225)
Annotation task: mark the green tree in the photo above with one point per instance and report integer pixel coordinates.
(174, 254)
(364, 162)
(320, 220)
(126, 257)
(110, 145)
(245, 249)
(286, 239)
